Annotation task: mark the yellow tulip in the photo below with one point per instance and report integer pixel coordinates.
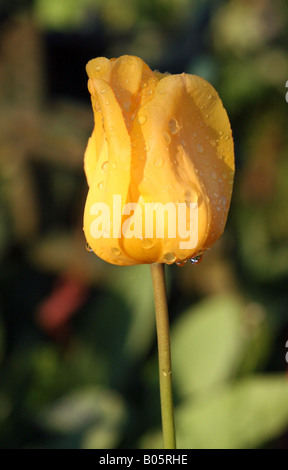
(158, 139)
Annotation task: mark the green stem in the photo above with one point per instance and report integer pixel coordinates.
(165, 370)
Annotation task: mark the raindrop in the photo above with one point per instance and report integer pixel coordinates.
(191, 196)
(100, 185)
(147, 243)
(209, 97)
(220, 133)
(142, 119)
(181, 263)
(169, 258)
(159, 162)
(196, 259)
(220, 157)
(103, 91)
(213, 143)
(88, 247)
(226, 137)
(98, 68)
(173, 126)
(115, 251)
(200, 148)
(146, 148)
(150, 92)
(104, 166)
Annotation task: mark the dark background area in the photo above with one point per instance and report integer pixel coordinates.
(78, 358)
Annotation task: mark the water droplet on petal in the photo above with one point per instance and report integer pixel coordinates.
(169, 258)
(100, 185)
(147, 243)
(220, 133)
(226, 137)
(104, 166)
(200, 148)
(173, 126)
(146, 148)
(224, 175)
(214, 175)
(142, 119)
(98, 68)
(213, 143)
(150, 92)
(114, 165)
(162, 91)
(88, 247)
(196, 259)
(209, 97)
(102, 91)
(159, 162)
(115, 251)
(181, 263)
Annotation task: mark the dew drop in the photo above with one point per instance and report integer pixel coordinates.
(88, 247)
(209, 97)
(196, 259)
(214, 176)
(98, 68)
(150, 92)
(181, 263)
(102, 91)
(218, 209)
(142, 119)
(159, 162)
(146, 148)
(169, 258)
(173, 126)
(220, 133)
(220, 157)
(226, 137)
(104, 166)
(200, 148)
(115, 251)
(114, 165)
(213, 143)
(100, 185)
(147, 243)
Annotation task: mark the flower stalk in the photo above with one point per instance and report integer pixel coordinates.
(164, 355)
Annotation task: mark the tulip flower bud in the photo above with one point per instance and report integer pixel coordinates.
(159, 164)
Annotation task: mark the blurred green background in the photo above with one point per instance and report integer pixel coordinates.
(78, 358)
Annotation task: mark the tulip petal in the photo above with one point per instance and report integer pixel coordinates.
(190, 155)
(112, 173)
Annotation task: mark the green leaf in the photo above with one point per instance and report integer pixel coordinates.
(244, 415)
(207, 344)
(95, 416)
(135, 286)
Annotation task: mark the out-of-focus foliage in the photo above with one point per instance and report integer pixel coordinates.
(78, 358)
